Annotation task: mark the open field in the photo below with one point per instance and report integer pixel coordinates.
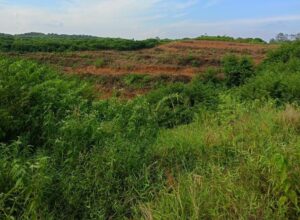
(184, 58)
(170, 62)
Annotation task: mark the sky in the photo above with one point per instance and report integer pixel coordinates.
(140, 19)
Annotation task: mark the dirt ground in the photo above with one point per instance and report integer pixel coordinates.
(176, 59)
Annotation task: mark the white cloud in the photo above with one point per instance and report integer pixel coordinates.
(261, 27)
(104, 17)
(129, 19)
(242, 22)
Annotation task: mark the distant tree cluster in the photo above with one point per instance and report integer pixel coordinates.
(231, 39)
(281, 37)
(39, 42)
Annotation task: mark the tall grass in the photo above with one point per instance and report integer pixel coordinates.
(242, 163)
(199, 150)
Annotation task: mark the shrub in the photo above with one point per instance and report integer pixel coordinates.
(211, 75)
(278, 77)
(99, 63)
(34, 100)
(136, 80)
(237, 70)
(189, 60)
(177, 103)
(282, 87)
(283, 54)
(64, 155)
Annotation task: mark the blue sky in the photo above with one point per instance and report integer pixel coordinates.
(150, 18)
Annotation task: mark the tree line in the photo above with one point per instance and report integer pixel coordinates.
(39, 42)
(282, 37)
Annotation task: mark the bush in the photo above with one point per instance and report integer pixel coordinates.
(189, 60)
(283, 54)
(278, 77)
(137, 80)
(282, 87)
(177, 103)
(237, 70)
(99, 63)
(65, 155)
(211, 75)
(34, 100)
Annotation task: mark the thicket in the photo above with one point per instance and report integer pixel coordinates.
(178, 103)
(237, 70)
(64, 155)
(278, 77)
(202, 150)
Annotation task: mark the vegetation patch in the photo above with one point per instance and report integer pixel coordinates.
(223, 145)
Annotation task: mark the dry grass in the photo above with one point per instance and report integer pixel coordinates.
(290, 117)
(146, 212)
(183, 59)
(175, 58)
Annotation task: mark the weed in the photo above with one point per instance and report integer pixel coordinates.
(100, 63)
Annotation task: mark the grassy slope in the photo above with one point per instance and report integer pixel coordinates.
(65, 155)
(240, 163)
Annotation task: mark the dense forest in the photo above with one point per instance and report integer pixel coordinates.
(213, 148)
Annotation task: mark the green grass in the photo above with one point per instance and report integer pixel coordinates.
(100, 63)
(200, 150)
(240, 163)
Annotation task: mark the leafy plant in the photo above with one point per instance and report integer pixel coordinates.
(237, 70)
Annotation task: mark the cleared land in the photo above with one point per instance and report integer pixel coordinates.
(185, 58)
(175, 61)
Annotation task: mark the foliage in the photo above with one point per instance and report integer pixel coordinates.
(33, 99)
(189, 60)
(237, 70)
(278, 77)
(34, 42)
(211, 75)
(137, 80)
(99, 63)
(64, 155)
(231, 39)
(281, 38)
(240, 163)
(177, 103)
(198, 150)
(284, 53)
